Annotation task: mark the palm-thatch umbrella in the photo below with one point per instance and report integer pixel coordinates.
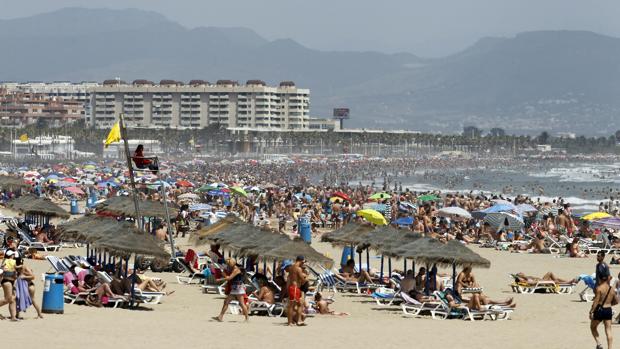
(294, 248)
(90, 228)
(199, 236)
(33, 205)
(259, 243)
(123, 206)
(455, 253)
(129, 242)
(345, 235)
(11, 183)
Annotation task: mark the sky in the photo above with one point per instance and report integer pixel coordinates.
(428, 28)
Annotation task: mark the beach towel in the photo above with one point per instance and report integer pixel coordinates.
(23, 296)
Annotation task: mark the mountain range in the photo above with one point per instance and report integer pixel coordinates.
(534, 81)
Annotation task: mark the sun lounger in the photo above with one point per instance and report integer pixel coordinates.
(463, 312)
(57, 264)
(259, 307)
(541, 286)
(412, 307)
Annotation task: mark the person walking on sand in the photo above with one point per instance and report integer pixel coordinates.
(235, 278)
(602, 269)
(604, 299)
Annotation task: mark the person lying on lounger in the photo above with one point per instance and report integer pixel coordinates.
(520, 277)
(348, 273)
(96, 289)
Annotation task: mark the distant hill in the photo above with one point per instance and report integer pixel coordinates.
(551, 80)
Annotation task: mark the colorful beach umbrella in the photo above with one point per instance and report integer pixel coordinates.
(404, 221)
(239, 191)
(609, 222)
(372, 216)
(184, 183)
(380, 196)
(341, 195)
(595, 216)
(504, 221)
(454, 213)
(428, 197)
(205, 188)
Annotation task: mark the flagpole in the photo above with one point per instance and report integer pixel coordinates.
(123, 132)
(130, 168)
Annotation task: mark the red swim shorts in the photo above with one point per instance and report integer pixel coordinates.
(294, 293)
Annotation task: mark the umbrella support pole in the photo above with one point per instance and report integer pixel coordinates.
(427, 285)
(390, 267)
(168, 225)
(133, 281)
(368, 260)
(404, 266)
(126, 266)
(359, 255)
(273, 271)
(382, 258)
(453, 276)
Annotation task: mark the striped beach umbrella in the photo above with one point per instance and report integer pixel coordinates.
(609, 222)
(504, 221)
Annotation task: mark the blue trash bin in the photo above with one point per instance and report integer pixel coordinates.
(305, 229)
(53, 299)
(74, 207)
(90, 203)
(347, 253)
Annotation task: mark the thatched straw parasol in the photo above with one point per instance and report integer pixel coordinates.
(454, 252)
(123, 245)
(119, 238)
(91, 228)
(388, 247)
(347, 235)
(10, 182)
(418, 250)
(32, 205)
(123, 206)
(259, 243)
(294, 248)
(199, 236)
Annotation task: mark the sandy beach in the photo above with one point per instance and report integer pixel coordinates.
(184, 318)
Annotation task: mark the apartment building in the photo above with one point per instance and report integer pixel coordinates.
(198, 104)
(19, 109)
(56, 103)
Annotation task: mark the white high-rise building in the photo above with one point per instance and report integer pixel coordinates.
(172, 104)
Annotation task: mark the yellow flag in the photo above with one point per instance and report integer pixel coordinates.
(24, 137)
(114, 135)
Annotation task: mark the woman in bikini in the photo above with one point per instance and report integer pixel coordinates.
(7, 279)
(234, 278)
(28, 275)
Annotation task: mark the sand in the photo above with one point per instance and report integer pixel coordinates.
(184, 318)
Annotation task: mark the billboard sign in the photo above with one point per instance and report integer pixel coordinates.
(341, 113)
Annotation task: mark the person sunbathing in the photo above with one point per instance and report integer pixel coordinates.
(265, 294)
(477, 301)
(520, 277)
(322, 307)
(574, 251)
(348, 273)
(98, 291)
